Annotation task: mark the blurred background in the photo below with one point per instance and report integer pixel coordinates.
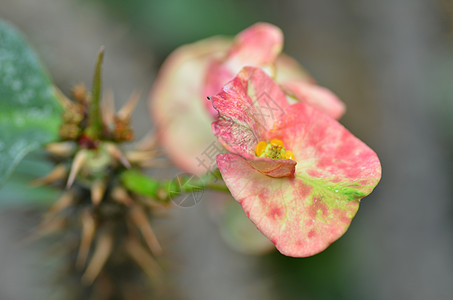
(390, 61)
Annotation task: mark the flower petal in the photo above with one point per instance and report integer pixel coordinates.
(258, 45)
(273, 167)
(177, 104)
(316, 96)
(287, 68)
(304, 214)
(325, 149)
(217, 76)
(248, 106)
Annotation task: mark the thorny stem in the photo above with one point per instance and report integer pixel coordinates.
(144, 185)
(108, 206)
(211, 180)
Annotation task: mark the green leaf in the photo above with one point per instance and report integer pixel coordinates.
(239, 232)
(30, 113)
(18, 192)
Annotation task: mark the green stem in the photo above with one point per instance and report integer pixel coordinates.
(143, 185)
(218, 187)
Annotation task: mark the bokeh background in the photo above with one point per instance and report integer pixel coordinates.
(391, 61)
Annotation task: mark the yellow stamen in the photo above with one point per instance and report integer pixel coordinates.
(289, 155)
(275, 149)
(277, 142)
(260, 147)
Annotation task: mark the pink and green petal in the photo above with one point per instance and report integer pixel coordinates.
(315, 95)
(177, 107)
(324, 149)
(302, 215)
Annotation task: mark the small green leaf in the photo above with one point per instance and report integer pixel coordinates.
(30, 113)
(139, 183)
(239, 232)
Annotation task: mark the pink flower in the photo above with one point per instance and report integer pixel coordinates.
(298, 174)
(191, 73)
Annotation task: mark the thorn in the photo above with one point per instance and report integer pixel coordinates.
(64, 101)
(132, 291)
(51, 227)
(141, 221)
(59, 172)
(79, 159)
(101, 253)
(159, 209)
(144, 259)
(63, 149)
(66, 200)
(114, 151)
(98, 191)
(148, 142)
(138, 157)
(63, 248)
(120, 195)
(126, 111)
(88, 231)
(105, 288)
(46, 228)
(154, 164)
(108, 108)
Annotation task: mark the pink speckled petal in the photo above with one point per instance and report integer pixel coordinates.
(325, 149)
(302, 215)
(177, 108)
(316, 96)
(248, 107)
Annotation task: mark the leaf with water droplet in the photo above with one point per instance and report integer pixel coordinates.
(30, 113)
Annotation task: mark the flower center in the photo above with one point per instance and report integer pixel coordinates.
(274, 149)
